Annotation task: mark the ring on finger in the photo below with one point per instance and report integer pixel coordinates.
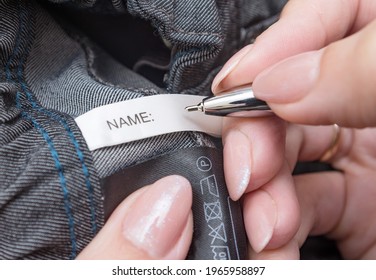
(334, 144)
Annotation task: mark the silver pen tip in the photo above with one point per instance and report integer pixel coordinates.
(194, 108)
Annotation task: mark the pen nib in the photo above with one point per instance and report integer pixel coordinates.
(193, 108)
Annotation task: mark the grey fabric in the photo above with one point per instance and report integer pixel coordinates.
(77, 88)
(50, 194)
(50, 197)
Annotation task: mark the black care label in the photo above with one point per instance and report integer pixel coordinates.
(219, 232)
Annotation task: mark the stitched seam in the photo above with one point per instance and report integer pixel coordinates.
(73, 139)
(79, 153)
(60, 170)
(44, 133)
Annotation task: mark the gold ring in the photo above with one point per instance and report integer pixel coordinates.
(334, 144)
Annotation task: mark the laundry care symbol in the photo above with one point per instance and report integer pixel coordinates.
(221, 252)
(218, 233)
(210, 183)
(204, 164)
(212, 211)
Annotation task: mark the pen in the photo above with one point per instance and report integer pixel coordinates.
(238, 102)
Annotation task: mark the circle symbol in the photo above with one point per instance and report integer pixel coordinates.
(203, 164)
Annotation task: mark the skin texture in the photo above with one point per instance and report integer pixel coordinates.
(154, 222)
(313, 71)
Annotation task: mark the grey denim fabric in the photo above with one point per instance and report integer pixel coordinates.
(51, 203)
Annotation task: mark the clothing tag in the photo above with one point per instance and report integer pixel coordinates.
(219, 232)
(144, 117)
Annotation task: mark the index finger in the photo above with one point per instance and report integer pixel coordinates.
(303, 26)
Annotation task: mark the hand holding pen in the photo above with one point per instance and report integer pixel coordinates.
(313, 67)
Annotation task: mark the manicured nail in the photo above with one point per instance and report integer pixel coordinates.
(237, 163)
(229, 67)
(159, 216)
(289, 80)
(260, 212)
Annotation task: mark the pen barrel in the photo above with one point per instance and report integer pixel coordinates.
(239, 103)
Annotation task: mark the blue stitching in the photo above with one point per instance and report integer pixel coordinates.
(72, 138)
(45, 136)
(78, 152)
(74, 141)
(60, 170)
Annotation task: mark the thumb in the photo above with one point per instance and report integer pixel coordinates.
(155, 222)
(332, 85)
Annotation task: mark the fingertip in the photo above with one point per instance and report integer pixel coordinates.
(237, 162)
(253, 153)
(289, 36)
(289, 251)
(155, 222)
(260, 214)
(272, 213)
(219, 83)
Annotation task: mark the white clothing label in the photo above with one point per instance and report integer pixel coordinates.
(144, 117)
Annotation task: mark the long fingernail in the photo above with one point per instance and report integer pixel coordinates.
(289, 80)
(229, 67)
(238, 163)
(158, 217)
(260, 212)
